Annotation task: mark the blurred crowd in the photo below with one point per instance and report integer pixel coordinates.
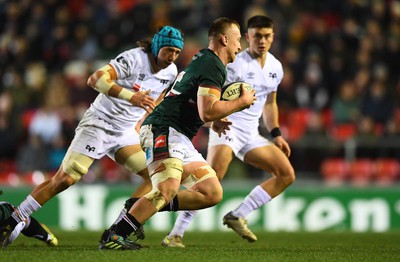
(339, 98)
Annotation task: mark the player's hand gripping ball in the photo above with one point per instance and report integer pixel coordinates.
(232, 91)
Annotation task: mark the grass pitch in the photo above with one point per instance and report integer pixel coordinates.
(216, 246)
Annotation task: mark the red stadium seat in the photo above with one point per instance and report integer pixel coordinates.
(343, 132)
(334, 170)
(297, 123)
(361, 171)
(387, 170)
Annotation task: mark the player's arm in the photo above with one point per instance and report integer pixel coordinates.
(271, 121)
(211, 108)
(157, 102)
(103, 81)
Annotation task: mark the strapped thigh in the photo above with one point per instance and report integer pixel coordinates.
(199, 175)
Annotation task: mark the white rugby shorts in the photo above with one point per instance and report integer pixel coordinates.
(95, 137)
(241, 141)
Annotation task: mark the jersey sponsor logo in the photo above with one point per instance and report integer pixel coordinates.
(136, 87)
(90, 148)
(163, 81)
(250, 75)
(160, 141)
(198, 55)
(176, 152)
(122, 60)
(272, 75)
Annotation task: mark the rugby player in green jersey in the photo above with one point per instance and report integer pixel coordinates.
(166, 135)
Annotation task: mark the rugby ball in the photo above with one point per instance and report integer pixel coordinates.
(232, 90)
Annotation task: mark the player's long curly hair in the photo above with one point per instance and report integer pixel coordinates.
(145, 44)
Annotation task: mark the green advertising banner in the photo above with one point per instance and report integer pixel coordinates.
(95, 207)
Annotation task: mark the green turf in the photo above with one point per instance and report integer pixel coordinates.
(216, 246)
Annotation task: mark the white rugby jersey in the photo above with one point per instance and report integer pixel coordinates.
(263, 80)
(133, 73)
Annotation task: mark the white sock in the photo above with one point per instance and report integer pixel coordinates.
(25, 209)
(182, 222)
(257, 197)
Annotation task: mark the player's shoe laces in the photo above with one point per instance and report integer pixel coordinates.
(139, 233)
(116, 242)
(5, 232)
(51, 241)
(172, 241)
(239, 225)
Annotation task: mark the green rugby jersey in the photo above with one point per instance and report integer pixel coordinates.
(179, 107)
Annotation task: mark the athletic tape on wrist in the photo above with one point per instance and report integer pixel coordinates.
(125, 94)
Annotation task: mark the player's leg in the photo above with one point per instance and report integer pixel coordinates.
(30, 227)
(165, 171)
(6, 210)
(73, 167)
(165, 176)
(272, 160)
(134, 159)
(219, 157)
(129, 154)
(39, 231)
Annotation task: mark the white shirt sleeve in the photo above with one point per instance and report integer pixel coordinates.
(127, 63)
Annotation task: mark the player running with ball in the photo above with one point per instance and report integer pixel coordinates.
(263, 71)
(166, 134)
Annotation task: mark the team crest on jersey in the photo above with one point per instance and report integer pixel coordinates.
(90, 148)
(160, 141)
(142, 77)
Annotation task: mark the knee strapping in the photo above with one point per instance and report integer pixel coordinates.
(168, 168)
(136, 162)
(76, 165)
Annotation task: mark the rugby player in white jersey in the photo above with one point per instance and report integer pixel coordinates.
(128, 87)
(258, 67)
(166, 135)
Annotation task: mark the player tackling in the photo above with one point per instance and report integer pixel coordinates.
(258, 67)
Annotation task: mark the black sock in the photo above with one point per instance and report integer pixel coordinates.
(35, 230)
(127, 226)
(129, 203)
(173, 205)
